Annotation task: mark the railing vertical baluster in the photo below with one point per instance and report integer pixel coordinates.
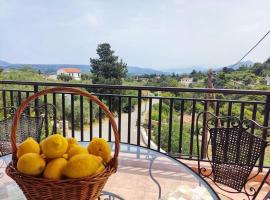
(72, 115)
(54, 113)
(254, 112)
(242, 112)
(100, 122)
(91, 119)
(205, 131)
(28, 108)
(265, 124)
(110, 127)
(81, 117)
(149, 123)
(27, 94)
(129, 119)
(4, 102)
(181, 126)
(46, 116)
(119, 116)
(159, 122)
(229, 114)
(192, 128)
(64, 113)
(11, 98)
(36, 100)
(19, 98)
(170, 126)
(139, 118)
(217, 113)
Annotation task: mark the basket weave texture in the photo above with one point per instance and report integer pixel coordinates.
(37, 188)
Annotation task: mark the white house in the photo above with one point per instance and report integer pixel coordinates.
(75, 73)
(186, 81)
(267, 80)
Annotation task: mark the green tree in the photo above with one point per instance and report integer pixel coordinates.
(85, 77)
(107, 69)
(64, 77)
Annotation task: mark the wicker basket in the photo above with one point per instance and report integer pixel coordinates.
(82, 188)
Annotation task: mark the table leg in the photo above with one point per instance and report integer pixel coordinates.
(152, 159)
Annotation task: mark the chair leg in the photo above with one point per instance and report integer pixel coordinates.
(260, 187)
(267, 197)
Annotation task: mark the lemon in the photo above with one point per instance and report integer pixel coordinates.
(100, 169)
(54, 169)
(77, 150)
(28, 146)
(81, 165)
(31, 164)
(54, 146)
(100, 147)
(72, 142)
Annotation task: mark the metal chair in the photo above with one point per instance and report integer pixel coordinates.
(234, 152)
(30, 125)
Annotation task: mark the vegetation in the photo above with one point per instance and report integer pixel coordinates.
(64, 77)
(107, 69)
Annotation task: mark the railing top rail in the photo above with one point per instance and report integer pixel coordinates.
(152, 88)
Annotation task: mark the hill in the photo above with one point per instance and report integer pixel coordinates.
(4, 63)
(52, 68)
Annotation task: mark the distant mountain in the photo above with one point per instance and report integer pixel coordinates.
(4, 63)
(247, 63)
(132, 70)
(140, 71)
(186, 70)
(52, 68)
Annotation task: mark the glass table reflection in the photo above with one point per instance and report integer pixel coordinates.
(142, 174)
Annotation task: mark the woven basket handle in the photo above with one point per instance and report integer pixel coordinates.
(26, 102)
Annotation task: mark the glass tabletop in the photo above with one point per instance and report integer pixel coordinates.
(142, 174)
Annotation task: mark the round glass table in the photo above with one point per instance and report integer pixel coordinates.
(143, 174)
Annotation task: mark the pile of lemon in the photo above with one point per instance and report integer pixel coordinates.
(58, 158)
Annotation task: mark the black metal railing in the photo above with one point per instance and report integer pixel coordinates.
(161, 118)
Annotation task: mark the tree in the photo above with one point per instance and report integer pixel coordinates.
(227, 69)
(107, 69)
(64, 77)
(85, 77)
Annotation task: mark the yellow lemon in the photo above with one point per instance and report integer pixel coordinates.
(72, 142)
(31, 164)
(100, 169)
(54, 146)
(100, 147)
(99, 159)
(77, 150)
(81, 165)
(28, 146)
(54, 169)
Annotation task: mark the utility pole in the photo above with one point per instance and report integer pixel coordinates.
(206, 108)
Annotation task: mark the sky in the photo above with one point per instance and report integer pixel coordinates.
(159, 34)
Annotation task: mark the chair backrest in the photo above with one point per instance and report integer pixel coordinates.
(30, 125)
(237, 150)
(234, 149)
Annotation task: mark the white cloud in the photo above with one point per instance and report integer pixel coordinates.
(156, 33)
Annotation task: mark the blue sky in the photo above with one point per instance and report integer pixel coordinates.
(153, 33)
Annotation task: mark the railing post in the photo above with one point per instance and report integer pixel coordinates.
(36, 100)
(265, 124)
(204, 131)
(139, 118)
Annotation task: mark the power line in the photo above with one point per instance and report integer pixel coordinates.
(252, 48)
